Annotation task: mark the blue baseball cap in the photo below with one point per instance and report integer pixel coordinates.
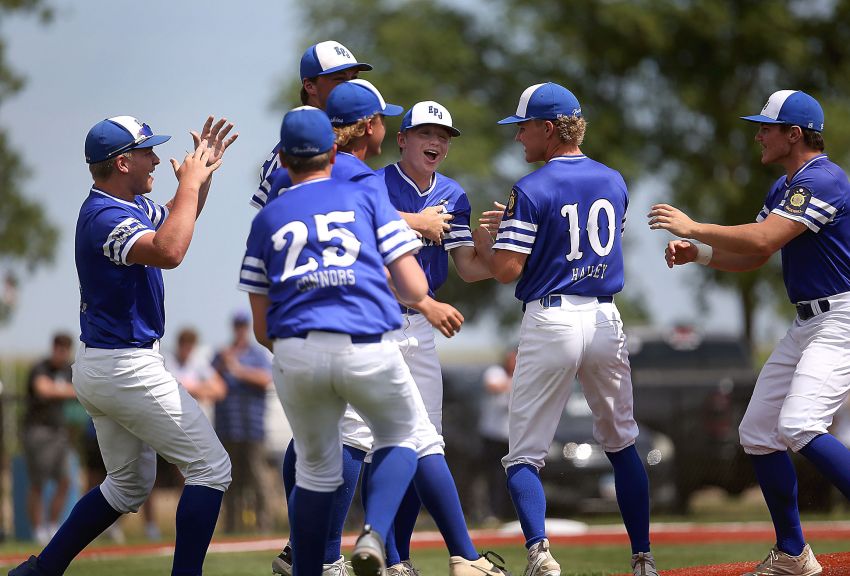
(113, 136)
(544, 102)
(428, 112)
(357, 99)
(305, 132)
(328, 57)
(792, 107)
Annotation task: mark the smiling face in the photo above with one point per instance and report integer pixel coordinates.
(140, 164)
(776, 142)
(533, 136)
(423, 148)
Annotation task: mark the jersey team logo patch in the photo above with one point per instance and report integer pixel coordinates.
(511, 204)
(796, 201)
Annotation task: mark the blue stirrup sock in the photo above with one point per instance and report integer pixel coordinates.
(352, 462)
(398, 539)
(289, 469)
(90, 516)
(832, 459)
(436, 488)
(390, 474)
(778, 480)
(526, 491)
(632, 486)
(310, 517)
(197, 513)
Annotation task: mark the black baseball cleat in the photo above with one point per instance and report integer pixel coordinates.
(28, 568)
(369, 557)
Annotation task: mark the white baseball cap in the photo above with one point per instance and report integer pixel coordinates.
(428, 112)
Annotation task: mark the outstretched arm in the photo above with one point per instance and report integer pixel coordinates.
(470, 265)
(679, 252)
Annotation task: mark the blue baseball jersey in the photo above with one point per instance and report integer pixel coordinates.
(268, 171)
(443, 191)
(319, 253)
(568, 216)
(121, 304)
(346, 167)
(816, 263)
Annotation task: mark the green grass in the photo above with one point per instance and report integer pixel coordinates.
(574, 560)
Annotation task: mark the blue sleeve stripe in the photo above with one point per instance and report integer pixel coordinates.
(256, 263)
(520, 237)
(391, 243)
(410, 246)
(259, 199)
(500, 245)
(129, 244)
(824, 207)
(815, 215)
(254, 277)
(462, 233)
(121, 239)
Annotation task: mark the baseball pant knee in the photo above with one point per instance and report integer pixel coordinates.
(795, 436)
(213, 470)
(127, 488)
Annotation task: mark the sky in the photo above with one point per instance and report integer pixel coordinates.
(171, 64)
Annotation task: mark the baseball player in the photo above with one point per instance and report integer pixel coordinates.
(807, 377)
(314, 270)
(560, 235)
(323, 67)
(357, 109)
(123, 241)
(414, 185)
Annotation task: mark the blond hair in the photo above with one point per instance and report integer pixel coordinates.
(571, 129)
(345, 134)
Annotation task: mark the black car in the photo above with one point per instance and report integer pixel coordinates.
(577, 477)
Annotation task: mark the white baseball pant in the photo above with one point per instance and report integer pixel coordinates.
(316, 376)
(139, 409)
(579, 338)
(803, 383)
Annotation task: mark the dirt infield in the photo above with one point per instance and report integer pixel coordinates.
(833, 565)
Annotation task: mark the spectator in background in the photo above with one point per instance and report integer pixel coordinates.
(193, 370)
(246, 370)
(493, 429)
(45, 435)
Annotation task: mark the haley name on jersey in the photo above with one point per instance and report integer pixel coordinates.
(568, 216)
(319, 253)
(816, 263)
(121, 304)
(346, 167)
(443, 191)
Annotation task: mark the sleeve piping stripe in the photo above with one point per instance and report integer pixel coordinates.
(518, 224)
(254, 277)
(512, 247)
(130, 244)
(809, 224)
(817, 216)
(507, 235)
(826, 207)
(254, 263)
(411, 247)
(252, 289)
(390, 227)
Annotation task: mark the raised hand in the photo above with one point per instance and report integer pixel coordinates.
(666, 217)
(214, 133)
(490, 219)
(197, 166)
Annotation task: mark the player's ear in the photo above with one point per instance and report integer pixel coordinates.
(401, 140)
(122, 164)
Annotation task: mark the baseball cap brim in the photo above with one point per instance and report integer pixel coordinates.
(513, 119)
(762, 119)
(392, 110)
(359, 65)
(154, 140)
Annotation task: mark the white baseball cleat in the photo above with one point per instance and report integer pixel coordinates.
(779, 563)
(482, 566)
(282, 564)
(541, 562)
(643, 564)
(403, 568)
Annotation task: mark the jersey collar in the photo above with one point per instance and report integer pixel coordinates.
(803, 167)
(568, 158)
(422, 193)
(307, 183)
(111, 197)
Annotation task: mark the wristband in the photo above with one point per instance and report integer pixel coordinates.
(704, 253)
